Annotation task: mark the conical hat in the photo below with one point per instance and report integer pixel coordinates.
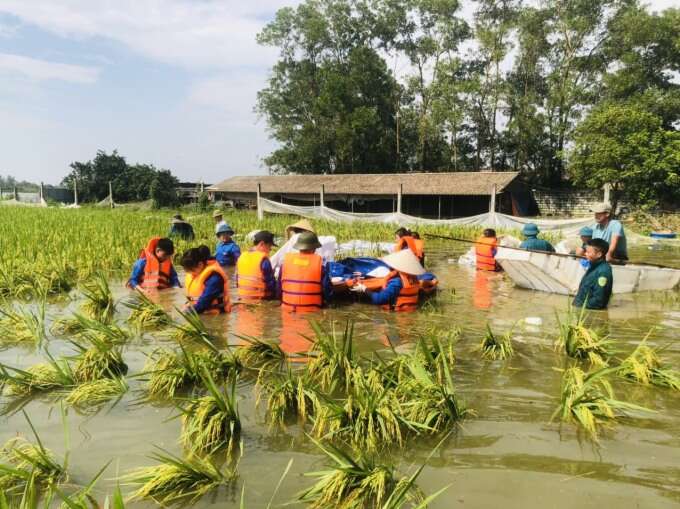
(404, 261)
(302, 224)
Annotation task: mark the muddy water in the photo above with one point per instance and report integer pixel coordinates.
(508, 455)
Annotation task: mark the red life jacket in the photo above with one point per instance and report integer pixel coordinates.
(407, 300)
(156, 273)
(485, 248)
(301, 286)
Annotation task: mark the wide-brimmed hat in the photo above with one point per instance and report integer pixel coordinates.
(404, 261)
(307, 240)
(302, 224)
(530, 229)
(586, 231)
(177, 219)
(600, 208)
(217, 213)
(224, 228)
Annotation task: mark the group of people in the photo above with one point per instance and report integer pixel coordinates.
(303, 281)
(602, 244)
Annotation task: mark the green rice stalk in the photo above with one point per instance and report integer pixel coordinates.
(175, 480)
(99, 303)
(146, 314)
(288, 394)
(97, 392)
(333, 356)
(22, 462)
(260, 354)
(644, 366)
(56, 374)
(23, 326)
(101, 360)
(192, 330)
(496, 347)
(581, 342)
(436, 355)
(212, 422)
(82, 498)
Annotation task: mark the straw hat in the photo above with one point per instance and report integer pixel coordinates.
(307, 240)
(177, 219)
(302, 224)
(217, 213)
(404, 261)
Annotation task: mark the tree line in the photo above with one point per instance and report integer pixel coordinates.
(585, 90)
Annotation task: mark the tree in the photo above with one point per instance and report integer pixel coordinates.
(163, 189)
(627, 147)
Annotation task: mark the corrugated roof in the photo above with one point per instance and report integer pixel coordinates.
(459, 183)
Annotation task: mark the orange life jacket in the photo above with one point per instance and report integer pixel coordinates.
(407, 300)
(419, 246)
(301, 286)
(406, 242)
(249, 278)
(156, 273)
(195, 287)
(484, 253)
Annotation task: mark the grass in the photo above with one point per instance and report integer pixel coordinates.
(644, 366)
(146, 314)
(288, 395)
(212, 422)
(496, 347)
(333, 357)
(23, 326)
(97, 392)
(582, 342)
(99, 303)
(56, 374)
(587, 400)
(176, 480)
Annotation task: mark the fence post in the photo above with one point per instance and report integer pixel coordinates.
(110, 194)
(399, 193)
(16, 195)
(322, 199)
(260, 212)
(492, 203)
(75, 192)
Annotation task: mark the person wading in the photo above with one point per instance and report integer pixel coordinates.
(227, 251)
(611, 231)
(254, 273)
(180, 228)
(218, 219)
(302, 225)
(595, 288)
(206, 284)
(154, 270)
(402, 288)
(304, 281)
(485, 251)
(532, 242)
(405, 240)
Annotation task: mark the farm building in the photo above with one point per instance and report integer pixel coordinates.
(427, 195)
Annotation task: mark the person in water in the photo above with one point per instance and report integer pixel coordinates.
(254, 272)
(226, 251)
(532, 242)
(485, 251)
(595, 288)
(207, 286)
(154, 270)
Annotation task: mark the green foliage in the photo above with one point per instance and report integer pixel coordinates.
(582, 342)
(496, 347)
(26, 465)
(644, 366)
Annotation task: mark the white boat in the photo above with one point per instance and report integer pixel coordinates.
(562, 274)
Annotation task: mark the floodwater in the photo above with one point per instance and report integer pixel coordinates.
(509, 455)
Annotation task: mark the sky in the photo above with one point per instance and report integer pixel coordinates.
(165, 82)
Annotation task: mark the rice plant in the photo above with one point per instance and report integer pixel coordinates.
(288, 394)
(192, 330)
(212, 422)
(82, 498)
(23, 463)
(333, 356)
(97, 392)
(99, 304)
(56, 374)
(146, 314)
(582, 342)
(436, 354)
(175, 480)
(360, 482)
(644, 366)
(587, 399)
(171, 371)
(83, 326)
(101, 359)
(260, 354)
(22, 327)
(496, 347)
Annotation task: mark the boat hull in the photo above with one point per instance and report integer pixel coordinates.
(562, 275)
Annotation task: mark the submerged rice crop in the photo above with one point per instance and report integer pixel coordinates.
(496, 347)
(99, 304)
(333, 355)
(97, 392)
(288, 394)
(56, 374)
(22, 326)
(582, 342)
(644, 366)
(146, 314)
(27, 465)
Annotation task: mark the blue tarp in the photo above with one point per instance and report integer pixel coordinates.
(347, 267)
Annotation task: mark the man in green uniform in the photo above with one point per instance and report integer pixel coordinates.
(595, 289)
(532, 242)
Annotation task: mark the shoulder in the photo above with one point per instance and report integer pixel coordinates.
(616, 225)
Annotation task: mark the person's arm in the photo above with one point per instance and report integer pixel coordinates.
(235, 252)
(137, 273)
(326, 284)
(174, 278)
(387, 295)
(221, 255)
(617, 233)
(268, 275)
(214, 288)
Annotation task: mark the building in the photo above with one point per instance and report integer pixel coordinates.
(427, 195)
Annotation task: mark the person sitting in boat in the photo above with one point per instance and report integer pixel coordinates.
(154, 270)
(226, 251)
(254, 272)
(180, 228)
(595, 288)
(586, 233)
(485, 251)
(405, 240)
(207, 286)
(304, 279)
(532, 242)
(303, 225)
(401, 289)
(611, 231)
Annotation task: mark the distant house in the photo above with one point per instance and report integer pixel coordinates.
(189, 192)
(429, 195)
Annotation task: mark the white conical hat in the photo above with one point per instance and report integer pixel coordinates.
(404, 261)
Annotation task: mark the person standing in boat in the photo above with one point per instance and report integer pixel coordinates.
(611, 231)
(595, 288)
(532, 242)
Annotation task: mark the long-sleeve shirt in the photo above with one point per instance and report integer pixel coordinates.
(536, 244)
(326, 285)
(214, 288)
(268, 276)
(389, 294)
(595, 288)
(226, 253)
(182, 230)
(138, 275)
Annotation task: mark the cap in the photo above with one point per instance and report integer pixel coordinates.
(586, 231)
(404, 261)
(224, 228)
(217, 213)
(600, 208)
(307, 240)
(264, 236)
(530, 229)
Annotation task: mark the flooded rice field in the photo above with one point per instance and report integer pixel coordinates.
(509, 454)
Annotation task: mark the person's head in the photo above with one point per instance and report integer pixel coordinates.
(217, 216)
(264, 241)
(402, 232)
(596, 249)
(164, 249)
(415, 235)
(489, 233)
(307, 242)
(530, 230)
(194, 261)
(224, 232)
(603, 212)
(586, 233)
(303, 225)
(204, 252)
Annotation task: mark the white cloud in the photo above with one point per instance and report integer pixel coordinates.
(41, 70)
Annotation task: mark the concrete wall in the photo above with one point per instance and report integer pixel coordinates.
(566, 203)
